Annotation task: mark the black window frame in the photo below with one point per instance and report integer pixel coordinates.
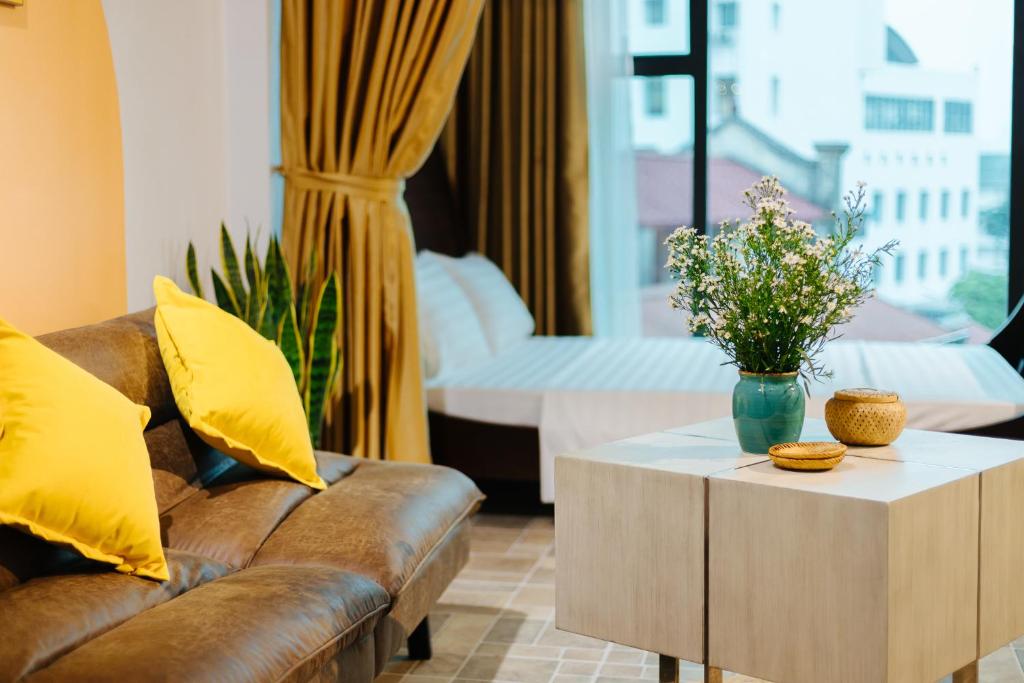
(1009, 340)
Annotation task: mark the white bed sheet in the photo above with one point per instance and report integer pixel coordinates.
(580, 391)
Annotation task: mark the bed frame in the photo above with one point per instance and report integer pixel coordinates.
(504, 460)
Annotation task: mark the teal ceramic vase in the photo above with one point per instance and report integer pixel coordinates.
(766, 410)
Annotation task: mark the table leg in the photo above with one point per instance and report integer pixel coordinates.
(712, 674)
(668, 669)
(968, 674)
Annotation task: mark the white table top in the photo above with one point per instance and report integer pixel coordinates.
(917, 461)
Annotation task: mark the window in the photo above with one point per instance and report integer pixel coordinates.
(901, 206)
(727, 14)
(654, 97)
(897, 113)
(654, 12)
(957, 117)
(905, 122)
(900, 265)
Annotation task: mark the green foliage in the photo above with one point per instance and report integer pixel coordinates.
(983, 297)
(770, 292)
(322, 360)
(304, 327)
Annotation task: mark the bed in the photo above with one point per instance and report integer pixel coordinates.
(501, 417)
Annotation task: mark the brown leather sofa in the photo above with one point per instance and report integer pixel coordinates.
(270, 581)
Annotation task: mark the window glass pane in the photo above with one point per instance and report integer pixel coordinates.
(914, 101)
(663, 145)
(658, 26)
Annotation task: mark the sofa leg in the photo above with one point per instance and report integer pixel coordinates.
(419, 641)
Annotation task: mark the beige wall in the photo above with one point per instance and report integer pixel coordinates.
(192, 76)
(62, 258)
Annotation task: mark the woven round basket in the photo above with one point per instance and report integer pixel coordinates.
(808, 456)
(865, 417)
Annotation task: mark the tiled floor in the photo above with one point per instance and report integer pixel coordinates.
(496, 623)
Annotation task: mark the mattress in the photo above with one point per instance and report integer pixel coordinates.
(581, 391)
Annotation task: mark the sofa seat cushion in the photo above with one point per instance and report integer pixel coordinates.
(50, 615)
(229, 522)
(382, 521)
(259, 624)
(230, 518)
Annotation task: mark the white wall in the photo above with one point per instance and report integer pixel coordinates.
(192, 83)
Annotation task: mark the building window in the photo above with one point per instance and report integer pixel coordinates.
(943, 262)
(654, 12)
(944, 205)
(922, 265)
(776, 15)
(876, 206)
(965, 256)
(728, 15)
(901, 206)
(898, 113)
(922, 206)
(775, 95)
(654, 96)
(900, 267)
(958, 117)
(965, 203)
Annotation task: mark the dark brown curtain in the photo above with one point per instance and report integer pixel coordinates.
(516, 143)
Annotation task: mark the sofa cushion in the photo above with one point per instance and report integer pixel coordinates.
(229, 522)
(234, 514)
(259, 624)
(381, 521)
(51, 615)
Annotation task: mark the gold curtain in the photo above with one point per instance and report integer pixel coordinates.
(516, 145)
(366, 86)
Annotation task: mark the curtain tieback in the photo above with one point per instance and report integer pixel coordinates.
(366, 187)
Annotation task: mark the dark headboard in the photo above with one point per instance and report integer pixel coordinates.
(436, 221)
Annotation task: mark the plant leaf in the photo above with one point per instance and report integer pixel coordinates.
(223, 295)
(279, 283)
(252, 276)
(229, 261)
(290, 343)
(193, 271)
(322, 355)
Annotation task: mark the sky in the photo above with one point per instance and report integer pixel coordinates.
(963, 35)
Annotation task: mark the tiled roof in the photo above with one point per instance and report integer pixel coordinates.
(664, 191)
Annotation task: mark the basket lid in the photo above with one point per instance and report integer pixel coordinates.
(866, 395)
(808, 450)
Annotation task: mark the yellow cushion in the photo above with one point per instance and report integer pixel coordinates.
(74, 468)
(234, 387)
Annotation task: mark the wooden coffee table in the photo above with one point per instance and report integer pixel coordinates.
(899, 565)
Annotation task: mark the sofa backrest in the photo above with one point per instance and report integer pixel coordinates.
(123, 352)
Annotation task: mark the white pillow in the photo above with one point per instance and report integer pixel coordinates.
(504, 317)
(451, 337)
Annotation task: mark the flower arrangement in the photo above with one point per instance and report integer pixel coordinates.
(770, 292)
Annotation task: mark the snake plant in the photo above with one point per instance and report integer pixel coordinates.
(303, 324)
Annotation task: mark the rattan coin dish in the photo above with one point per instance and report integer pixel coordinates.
(807, 456)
